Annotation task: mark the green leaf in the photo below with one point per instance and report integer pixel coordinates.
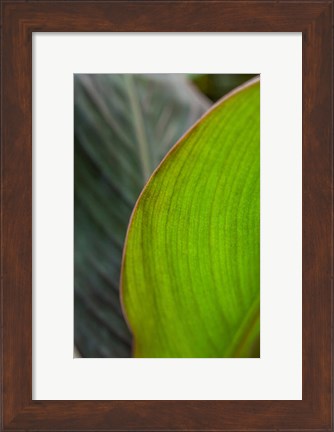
(191, 269)
(123, 126)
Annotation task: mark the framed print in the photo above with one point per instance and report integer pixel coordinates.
(61, 205)
(269, 53)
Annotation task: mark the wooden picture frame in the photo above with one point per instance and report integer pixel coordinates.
(19, 20)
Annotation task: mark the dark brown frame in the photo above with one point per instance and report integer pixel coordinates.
(19, 20)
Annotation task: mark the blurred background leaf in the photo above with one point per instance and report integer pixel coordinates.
(215, 86)
(123, 126)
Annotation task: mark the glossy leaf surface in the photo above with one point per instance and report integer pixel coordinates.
(191, 269)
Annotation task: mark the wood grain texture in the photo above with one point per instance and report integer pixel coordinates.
(19, 20)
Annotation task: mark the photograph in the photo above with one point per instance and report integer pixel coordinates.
(167, 215)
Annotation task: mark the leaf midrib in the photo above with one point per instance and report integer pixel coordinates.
(247, 324)
(144, 147)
